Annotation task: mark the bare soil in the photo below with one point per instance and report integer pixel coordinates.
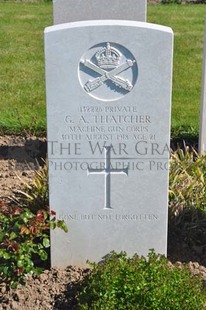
(19, 158)
(55, 288)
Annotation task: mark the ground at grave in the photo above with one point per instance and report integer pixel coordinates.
(19, 157)
(54, 288)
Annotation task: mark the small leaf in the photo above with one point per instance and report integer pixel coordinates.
(61, 224)
(6, 255)
(20, 263)
(37, 271)
(46, 242)
(12, 235)
(24, 230)
(53, 225)
(2, 234)
(43, 255)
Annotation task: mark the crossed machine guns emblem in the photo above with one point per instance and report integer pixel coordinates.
(108, 67)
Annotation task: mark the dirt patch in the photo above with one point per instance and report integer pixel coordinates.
(53, 289)
(19, 158)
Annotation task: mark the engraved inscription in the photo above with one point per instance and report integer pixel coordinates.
(107, 171)
(149, 217)
(109, 123)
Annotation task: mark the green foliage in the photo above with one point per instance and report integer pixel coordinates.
(185, 133)
(24, 231)
(23, 236)
(139, 283)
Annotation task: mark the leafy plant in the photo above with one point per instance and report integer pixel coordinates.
(23, 237)
(139, 283)
(24, 230)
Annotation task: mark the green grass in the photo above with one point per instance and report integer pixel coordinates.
(22, 86)
(187, 22)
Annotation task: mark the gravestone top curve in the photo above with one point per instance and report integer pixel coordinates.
(108, 22)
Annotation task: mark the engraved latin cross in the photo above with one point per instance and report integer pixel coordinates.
(107, 173)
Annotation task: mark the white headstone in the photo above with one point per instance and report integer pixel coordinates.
(202, 133)
(65, 11)
(108, 111)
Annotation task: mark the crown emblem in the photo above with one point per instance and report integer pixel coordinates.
(108, 57)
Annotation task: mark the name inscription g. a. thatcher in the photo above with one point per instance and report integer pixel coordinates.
(110, 217)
